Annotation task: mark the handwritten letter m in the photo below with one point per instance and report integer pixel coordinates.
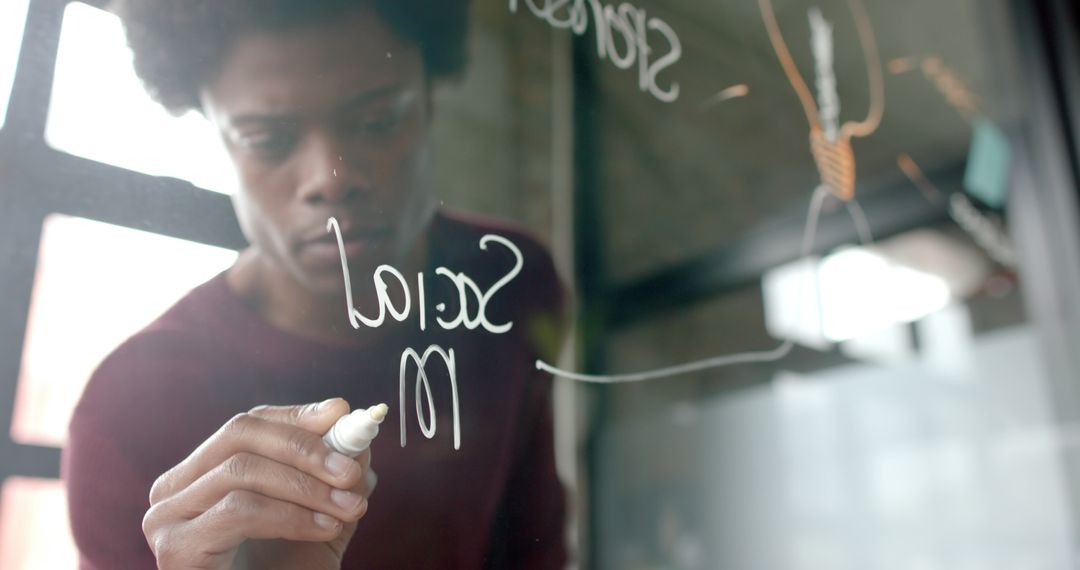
(423, 382)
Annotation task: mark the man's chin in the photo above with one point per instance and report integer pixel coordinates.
(326, 278)
(360, 253)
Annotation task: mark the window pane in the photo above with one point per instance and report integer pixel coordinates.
(100, 111)
(34, 530)
(12, 23)
(96, 284)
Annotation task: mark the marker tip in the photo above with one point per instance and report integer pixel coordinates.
(378, 413)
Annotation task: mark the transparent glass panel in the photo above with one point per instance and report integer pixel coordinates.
(34, 529)
(96, 284)
(12, 24)
(909, 420)
(100, 111)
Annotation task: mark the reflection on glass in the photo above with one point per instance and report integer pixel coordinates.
(858, 293)
(12, 23)
(96, 285)
(947, 461)
(101, 112)
(34, 530)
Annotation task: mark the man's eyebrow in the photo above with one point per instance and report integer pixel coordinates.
(369, 96)
(286, 118)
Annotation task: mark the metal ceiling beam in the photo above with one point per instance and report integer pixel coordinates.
(892, 206)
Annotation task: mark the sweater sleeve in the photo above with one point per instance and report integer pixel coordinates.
(107, 498)
(119, 442)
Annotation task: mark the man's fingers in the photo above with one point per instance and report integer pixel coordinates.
(266, 477)
(242, 515)
(316, 418)
(246, 433)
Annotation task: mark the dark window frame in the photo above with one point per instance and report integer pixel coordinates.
(36, 180)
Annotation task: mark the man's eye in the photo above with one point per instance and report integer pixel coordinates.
(268, 144)
(378, 124)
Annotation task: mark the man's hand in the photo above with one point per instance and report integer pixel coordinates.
(263, 492)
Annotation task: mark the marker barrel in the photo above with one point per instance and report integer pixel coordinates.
(353, 433)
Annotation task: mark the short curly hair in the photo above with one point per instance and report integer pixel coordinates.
(180, 44)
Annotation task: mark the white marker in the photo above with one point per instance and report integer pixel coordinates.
(353, 433)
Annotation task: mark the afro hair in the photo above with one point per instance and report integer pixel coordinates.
(180, 44)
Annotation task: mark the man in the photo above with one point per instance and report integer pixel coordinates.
(324, 108)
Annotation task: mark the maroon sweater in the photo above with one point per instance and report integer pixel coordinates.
(494, 503)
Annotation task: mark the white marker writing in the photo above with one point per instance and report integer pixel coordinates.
(468, 292)
(469, 295)
(353, 433)
(384, 299)
(422, 382)
(380, 287)
(421, 301)
(627, 22)
(465, 285)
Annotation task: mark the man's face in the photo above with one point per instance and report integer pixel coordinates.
(327, 120)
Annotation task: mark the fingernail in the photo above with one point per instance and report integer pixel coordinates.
(321, 406)
(338, 464)
(346, 500)
(326, 521)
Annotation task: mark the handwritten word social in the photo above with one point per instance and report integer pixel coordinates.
(469, 293)
(471, 313)
(630, 23)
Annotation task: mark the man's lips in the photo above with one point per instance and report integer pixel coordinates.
(351, 234)
(355, 239)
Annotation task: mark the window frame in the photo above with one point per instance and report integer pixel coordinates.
(36, 180)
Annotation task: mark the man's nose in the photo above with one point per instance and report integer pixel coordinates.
(329, 174)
